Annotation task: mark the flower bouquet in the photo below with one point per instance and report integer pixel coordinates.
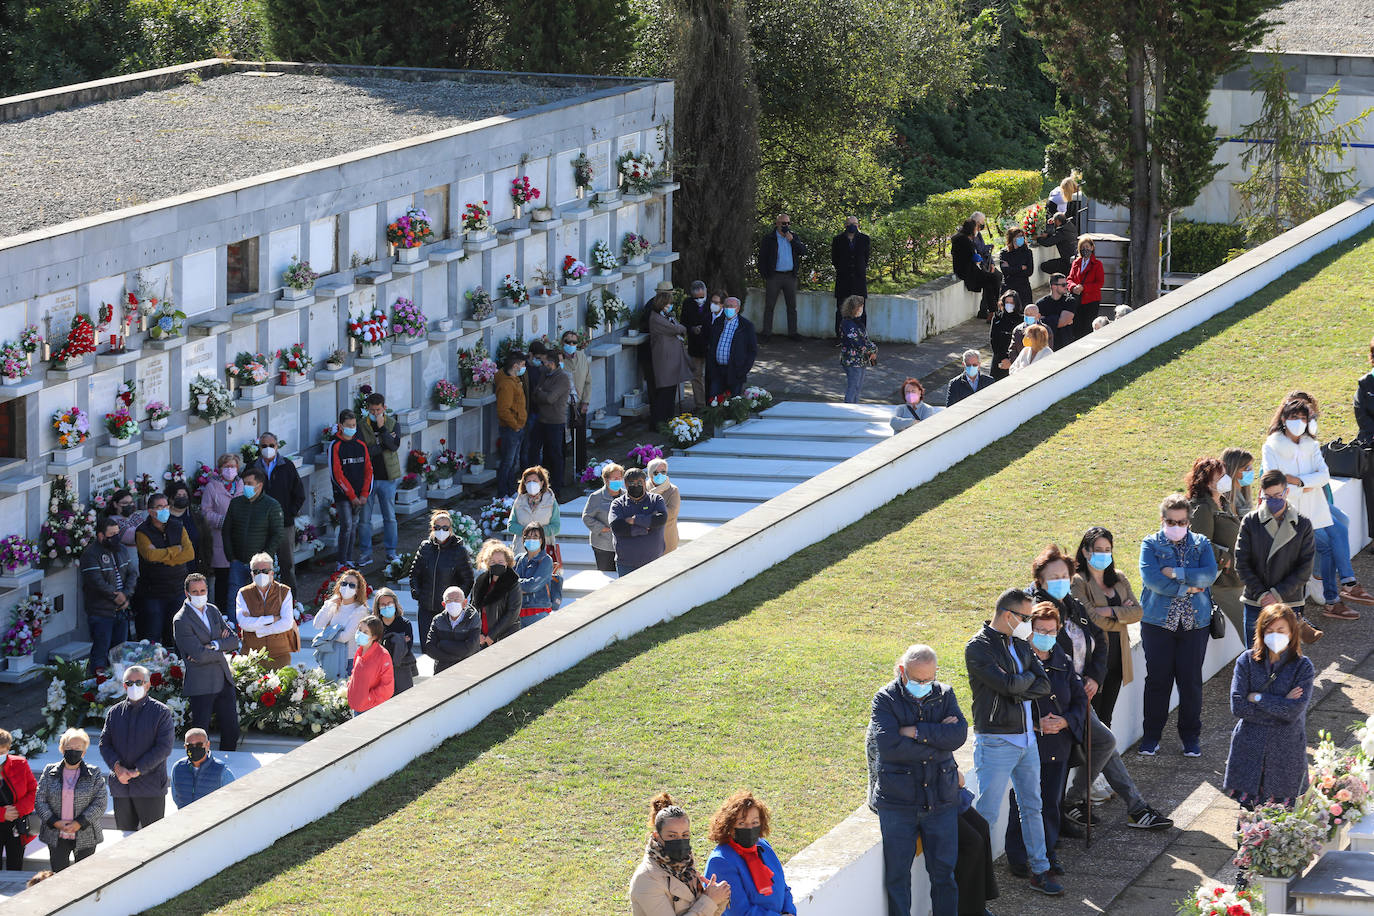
(758, 398)
(249, 452)
(213, 400)
(298, 277)
(158, 413)
(476, 461)
(641, 455)
(103, 500)
(636, 172)
(1033, 223)
(293, 363)
(287, 701)
(613, 308)
(479, 301)
(17, 554)
(447, 464)
(145, 486)
(249, 370)
(30, 339)
(127, 392)
(410, 231)
(495, 516)
(1212, 899)
(583, 174)
(1339, 779)
(634, 247)
(369, 330)
(407, 320)
(573, 269)
(1364, 742)
(121, 424)
(80, 342)
(72, 426)
(515, 291)
(68, 528)
(398, 569)
(165, 321)
(483, 372)
(447, 395)
(476, 220)
(173, 473)
(26, 626)
(590, 476)
(603, 258)
(685, 429)
(467, 530)
(1277, 841)
(522, 193)
(468, 360)
(416, 461)
(14, 362)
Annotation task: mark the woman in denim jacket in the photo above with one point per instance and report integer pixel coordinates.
(1177, 568)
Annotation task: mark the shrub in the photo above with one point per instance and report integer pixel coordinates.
(1019, 188)
(1200, 247)
(949, 209)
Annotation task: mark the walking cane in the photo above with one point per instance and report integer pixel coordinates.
(1088, 765)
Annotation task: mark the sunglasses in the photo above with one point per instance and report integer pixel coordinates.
(1018, 615)
(132, 683)
(443, 527)
(261, 569)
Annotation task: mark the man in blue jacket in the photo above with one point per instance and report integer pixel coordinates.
(914, 781)
(732, 352)
(198, 773)
(135, 744)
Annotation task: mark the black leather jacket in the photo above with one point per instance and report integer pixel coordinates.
(1070, 608)
(998, 690)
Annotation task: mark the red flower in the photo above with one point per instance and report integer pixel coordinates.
(269, 699)
(156, 679)
(88, 697)
(100, 676)
(175, 672)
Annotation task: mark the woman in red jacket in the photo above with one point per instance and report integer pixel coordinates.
(372, 681)
(1086, 277)
(17, 791)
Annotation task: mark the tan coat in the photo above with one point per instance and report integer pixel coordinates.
(670, 362)
(673, 497)
(1111, 619)
(654, 892)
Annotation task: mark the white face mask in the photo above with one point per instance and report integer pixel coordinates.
(1295, 426)
(262, 580)
(136, 692)
(1008, 306)
(348, 591)
(715, 308)
(1224, 484)
(442, 534)
(454, 608)
(701, 300)
(532, 487)
(1276, 642)
(198, 601)
(1022, 630)
(268, 453)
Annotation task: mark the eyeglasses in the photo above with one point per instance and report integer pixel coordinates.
(1059, 285)
(350, 583)
(443, 527)
(132, 683)
(1183, 522)
(1018, 615)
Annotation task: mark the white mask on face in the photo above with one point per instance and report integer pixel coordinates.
(532, 487)
(715, 308)
(454, 608)
(268, 453)
(198, 601)
(1224, 484)
(442, 534)
(136, 692)
(1295, 426)
(1022, 630)
(262, 580)
(1276, 642)
(348, 591)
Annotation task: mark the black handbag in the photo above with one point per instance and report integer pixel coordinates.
(1346, 459)
(1218, 624)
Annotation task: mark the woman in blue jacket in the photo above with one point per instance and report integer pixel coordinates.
(535, 569)
(745, 861)
(1177, 568)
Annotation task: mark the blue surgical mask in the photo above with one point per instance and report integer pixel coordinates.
(1057, 588)
(533, 544)
(615, 486)
(162, 515)
(1028, 320)
(347, 431)
(249, 490)
(362, 638)
(731, 313)
(1100, 560)
(1274, 504)
(570, 349)
(1020, 241)
(919, 691)
(971, 371)
(519, 372)
(660, 479)
(1247, 478)
(1044, 641)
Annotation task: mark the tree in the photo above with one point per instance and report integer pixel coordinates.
(717, 142)
(1293, 162)
(567, 36)
(1133, 81)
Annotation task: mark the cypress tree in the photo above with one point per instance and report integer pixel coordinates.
(567, 36)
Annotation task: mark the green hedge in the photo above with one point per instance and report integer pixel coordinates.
(906, 240)
(1200, 247)
(1018, 188)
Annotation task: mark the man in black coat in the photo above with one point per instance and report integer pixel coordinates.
(975, 270)
(970, 380)
(1057, 311)
(733, 350)
(284, 485)
(1061, 233)
(108, 581)
(849, 255)
(696, 318)
(779, 253)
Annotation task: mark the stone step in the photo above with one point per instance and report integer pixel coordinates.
(736, 487)
(823, 430)
(821, 453)
(709, 512)
(574, 532)
(821, 410)
(694, 466)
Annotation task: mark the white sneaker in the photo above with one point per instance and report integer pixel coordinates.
(1101, 790)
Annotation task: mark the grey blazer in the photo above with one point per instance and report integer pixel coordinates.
(207, 670)
(88, 804)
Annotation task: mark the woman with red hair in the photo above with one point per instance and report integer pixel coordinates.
(744, 860)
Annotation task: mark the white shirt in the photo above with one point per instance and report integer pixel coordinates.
(265, 625)
(1302, 459)
(347, 616)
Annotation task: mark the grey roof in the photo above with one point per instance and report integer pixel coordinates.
(1324, 27)
(125, 152)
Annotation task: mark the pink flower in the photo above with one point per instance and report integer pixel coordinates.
(1343, 795)
(1336, 810)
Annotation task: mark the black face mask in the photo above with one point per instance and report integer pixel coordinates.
(678, 850)
(126, 511)
(748, 836)
(498, 569)
(635, 490)
(849, 230)
(196, 753)
(73, 756)
(180, 502)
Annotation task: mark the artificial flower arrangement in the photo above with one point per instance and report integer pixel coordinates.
(410, 230)
(637, 172)
(515, 291)
(641, 455)
(1035, 220)
(157, 410)
(495, 516)
(685, 429)
(74, 699)
(1340, 779)
(613, 308)
(398, 569)
(1277, 841)
(522, 192)
(127, 392)
(307, 534)
(329, 434)
(249, 452)
(213, 400)
(1364, 742)
(72, 426)
(145, 486)
(121, 424)
(30, 339)
(583, 174)
(80, 341)
(1212, 899)
(289, 700)
(479, 300)
(603, 257)
(447, 395)
(204, 474)
(726, 406)
(447, 463)
(573, 269)
(407, 320)
(594, 315)
(174, 473)
(477, 459)
(416, 461)
(249, 369)
(370, 329)
(476, 217)
(468, 360)
(68, 528)
(14, 362)
(468, 531)
(298, 275)
(294, 360)
(26, 626)
(165, 320)
(484, 371)
(17, 553)
(635, 246)
(758, 398)
(591, 474)
(103, 500)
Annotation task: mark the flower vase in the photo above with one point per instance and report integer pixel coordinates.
(369, 351)
(12, 380)
(249, 392)
(519, 211)
(445, 483)
(408, 255)
(1275, 894)
(18, 663)
(202, 402)
(478, 391)
(1338, 840)
(291, 294)
(158, 423)
(475, 468)
(581, 192)
(283, 377)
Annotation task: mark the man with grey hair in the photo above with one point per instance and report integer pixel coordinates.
(696, 317)
(915, 729)
(732, 351)
(969, 381)
(849, 256)
(135, 744)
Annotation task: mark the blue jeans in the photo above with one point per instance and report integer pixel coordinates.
(1333, 555)
(531, 619)
(939, 835)
(1054, 770)
(383, 494)
(348, 530)
(512, 441)
(1173, 657)
(853, 383)
(1000, 763)
(240, 574)
(105, 632)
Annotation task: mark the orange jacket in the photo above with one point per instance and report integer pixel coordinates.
(372, 682)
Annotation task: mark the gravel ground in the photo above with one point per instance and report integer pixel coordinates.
(1324, 26)
(100, 157)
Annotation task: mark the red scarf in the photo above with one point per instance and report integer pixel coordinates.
(760, 873)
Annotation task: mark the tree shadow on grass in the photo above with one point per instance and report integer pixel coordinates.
(389, 797)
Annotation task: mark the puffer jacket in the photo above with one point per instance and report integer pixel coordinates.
(436, 567)
(88, 804)
(98, 565)
(998, 690)
(250, 526)
(449, 641)
(919, 773)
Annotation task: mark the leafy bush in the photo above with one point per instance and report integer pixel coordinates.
(1018, 188)
(951, 208)
(1200, 247)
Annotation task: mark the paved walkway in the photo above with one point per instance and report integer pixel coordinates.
(1142, 873)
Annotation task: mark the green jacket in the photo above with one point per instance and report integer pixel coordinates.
(252, 526)
(382, 446)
